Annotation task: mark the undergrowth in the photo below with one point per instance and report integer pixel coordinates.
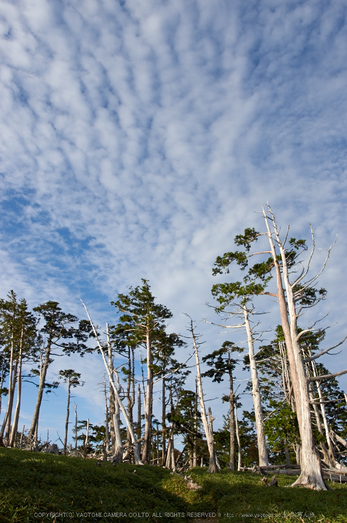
(38, 488)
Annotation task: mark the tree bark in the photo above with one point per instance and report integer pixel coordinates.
(112, 384)
(67, 415)
(19, 391)
(43, 373)
(214, 465)
(311, 472)
(262, 450)
(163, 421)
(146, 449)
(239, 463)
(6, 426)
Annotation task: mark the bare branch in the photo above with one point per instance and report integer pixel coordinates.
(305, 272)
(240, 326)
(310, 328)
(327, 376)
(115, 390)
(314, 278)
(316, 356)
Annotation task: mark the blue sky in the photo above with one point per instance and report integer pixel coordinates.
(137, 138)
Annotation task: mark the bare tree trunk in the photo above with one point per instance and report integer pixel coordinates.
(67, 415)
(19, 392)
(43, 373)
(139, 413)
(232, 427)
(75, 409)
(238, 441)
(262, 450)
(6, 426)
(130, 394)
(2, 379)
(214, 465)
(86, 440)
(146, 449)
(112, 384)
(311, 472)
(118, 452)
(170, 455)
(331, 454)
(112, 402)
(107, 432)
(163, 421)
(195, 456)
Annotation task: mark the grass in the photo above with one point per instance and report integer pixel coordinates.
(39, 488)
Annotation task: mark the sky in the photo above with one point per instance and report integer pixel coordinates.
(138, 138)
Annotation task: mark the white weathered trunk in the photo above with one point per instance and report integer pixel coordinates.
(237, 433)
(232, 425)
(112, 384)
(146, 449)
(67, 415)
(324, 417)
(75, 409)
(214, 465)
(6, 426)
(118, 452)
(43, 373)
(311, 473)
(170, 455)
(163, 419)
(86, 439)
(19, 392)
(262, 450)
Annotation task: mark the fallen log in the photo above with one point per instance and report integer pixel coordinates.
(334, 475)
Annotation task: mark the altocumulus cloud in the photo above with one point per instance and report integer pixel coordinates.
(137, 138)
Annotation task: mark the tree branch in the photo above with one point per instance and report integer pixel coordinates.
(316, 356)
(327, 376)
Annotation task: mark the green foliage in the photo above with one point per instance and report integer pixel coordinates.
(247, 238)
(222, 262)
(71, 377)
(255, 281)
(62, 330)
(186, 417)
(220, 361)
(281, 428)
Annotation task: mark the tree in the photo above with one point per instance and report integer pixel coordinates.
(72, 379)
(253, 283)
(222, 364)
(120, 343)
(144, 320)
(170, 372)
(111, 372)
(293, 296)
(18, 336)
(58, 331)
(295, 291)
(186, 419)
(214, 465)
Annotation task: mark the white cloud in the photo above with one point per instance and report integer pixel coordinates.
(153, 130)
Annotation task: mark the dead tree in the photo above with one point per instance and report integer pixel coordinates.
(214, 465)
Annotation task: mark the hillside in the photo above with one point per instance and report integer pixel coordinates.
(38, 487)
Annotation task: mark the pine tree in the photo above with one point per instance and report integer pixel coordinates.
(144, 320)
(223, 365)
(19, 343)
(60, 332)
(73, 379)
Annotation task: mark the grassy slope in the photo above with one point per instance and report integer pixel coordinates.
(34, 486)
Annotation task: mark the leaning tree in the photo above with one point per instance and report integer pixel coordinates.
(296, 289)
